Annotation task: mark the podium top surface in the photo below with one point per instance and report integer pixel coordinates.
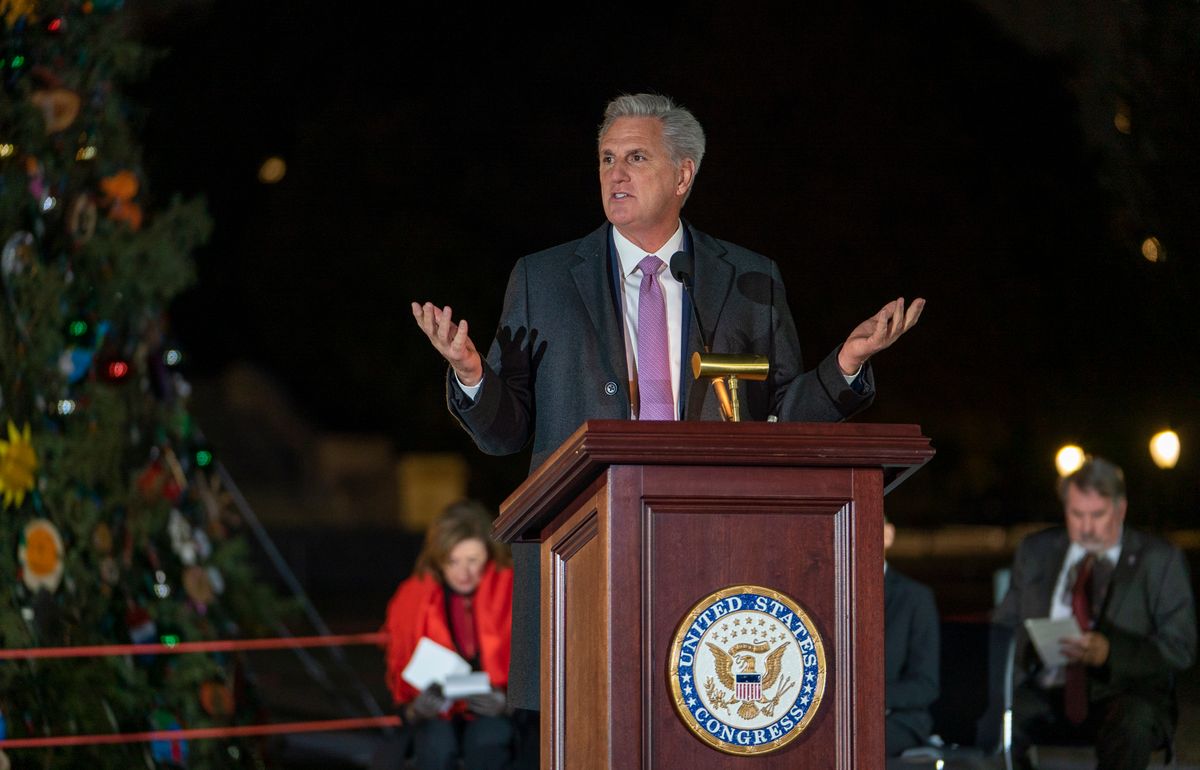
(898, 449)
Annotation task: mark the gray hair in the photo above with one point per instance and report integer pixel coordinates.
(1095, 475)
(681, 131)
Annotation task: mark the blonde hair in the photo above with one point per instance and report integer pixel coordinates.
(464, 520)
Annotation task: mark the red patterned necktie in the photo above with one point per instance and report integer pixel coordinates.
(462, 625)
(1075, 696)
(655, 398)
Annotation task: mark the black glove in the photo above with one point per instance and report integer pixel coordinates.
(488, 704)
(426, 705)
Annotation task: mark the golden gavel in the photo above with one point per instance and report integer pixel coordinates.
(716, 366)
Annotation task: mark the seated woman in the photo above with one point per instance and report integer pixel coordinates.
(460, 596)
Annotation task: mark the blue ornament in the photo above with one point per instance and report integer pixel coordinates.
(171, 752)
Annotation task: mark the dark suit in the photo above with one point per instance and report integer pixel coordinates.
(1148, 615)
(559, 360)
(911, 643)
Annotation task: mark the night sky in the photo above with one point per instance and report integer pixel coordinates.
(947, 150)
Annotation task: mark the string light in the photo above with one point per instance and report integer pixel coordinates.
(78, 328)
(1152, 250)
(65, 407)
(1164, 449)
(118, 369)
(87, 152)
(1068, 460)
(272, 170)
(204, 458)
(7, 150)
(172, 357)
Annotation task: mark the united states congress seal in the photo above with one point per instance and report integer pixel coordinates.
(747, 670)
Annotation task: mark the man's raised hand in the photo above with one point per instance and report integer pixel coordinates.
(450, 339)
(877, 333)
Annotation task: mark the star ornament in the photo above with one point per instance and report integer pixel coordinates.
(18, 461)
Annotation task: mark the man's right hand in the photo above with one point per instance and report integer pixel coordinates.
(451, 340)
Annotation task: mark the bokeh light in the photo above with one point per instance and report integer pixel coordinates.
(272, 170)
(1164, 449)
(1069, 459)
(1152, 250)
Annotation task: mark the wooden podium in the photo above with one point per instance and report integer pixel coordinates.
(640, 521)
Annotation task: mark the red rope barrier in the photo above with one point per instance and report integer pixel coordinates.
(201, 733)
(225, 645)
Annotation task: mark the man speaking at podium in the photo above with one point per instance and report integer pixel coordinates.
(604, 328)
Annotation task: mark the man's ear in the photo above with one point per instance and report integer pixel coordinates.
(684, 176)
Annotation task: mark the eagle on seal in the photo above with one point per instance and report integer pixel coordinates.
(724, 662)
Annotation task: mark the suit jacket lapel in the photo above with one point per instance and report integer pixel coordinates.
(592, 279)
(713, 282)
(1120, 584)
(1048, 579)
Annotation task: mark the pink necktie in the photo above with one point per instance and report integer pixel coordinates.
(654, 358)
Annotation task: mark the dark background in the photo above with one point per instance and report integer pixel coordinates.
(961, 151)
(966, 152)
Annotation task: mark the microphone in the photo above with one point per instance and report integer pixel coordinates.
(681, 269)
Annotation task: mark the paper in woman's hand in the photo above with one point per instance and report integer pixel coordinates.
(465, 685)
(432, 663)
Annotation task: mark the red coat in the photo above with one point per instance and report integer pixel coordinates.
(418, 608)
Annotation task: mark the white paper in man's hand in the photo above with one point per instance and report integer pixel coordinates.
(1047, 636)
(432, 663)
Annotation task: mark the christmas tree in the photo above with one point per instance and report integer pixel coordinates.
(113, 525)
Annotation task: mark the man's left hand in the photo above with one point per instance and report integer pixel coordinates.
(877, 333)
(1091, 649)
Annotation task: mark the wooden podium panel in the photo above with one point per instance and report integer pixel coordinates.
(628, 548)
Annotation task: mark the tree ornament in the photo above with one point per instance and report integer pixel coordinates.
(216, 580)
(141, 626)
(18, 254)
(15, 9)
(38, 187)
(18, 461)
(102, 539)
(174, 752)
(82, 221)
(119, 191)
(180, 531)
(216, 699)
(196, 586)
(59, 106)
(41, 555)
